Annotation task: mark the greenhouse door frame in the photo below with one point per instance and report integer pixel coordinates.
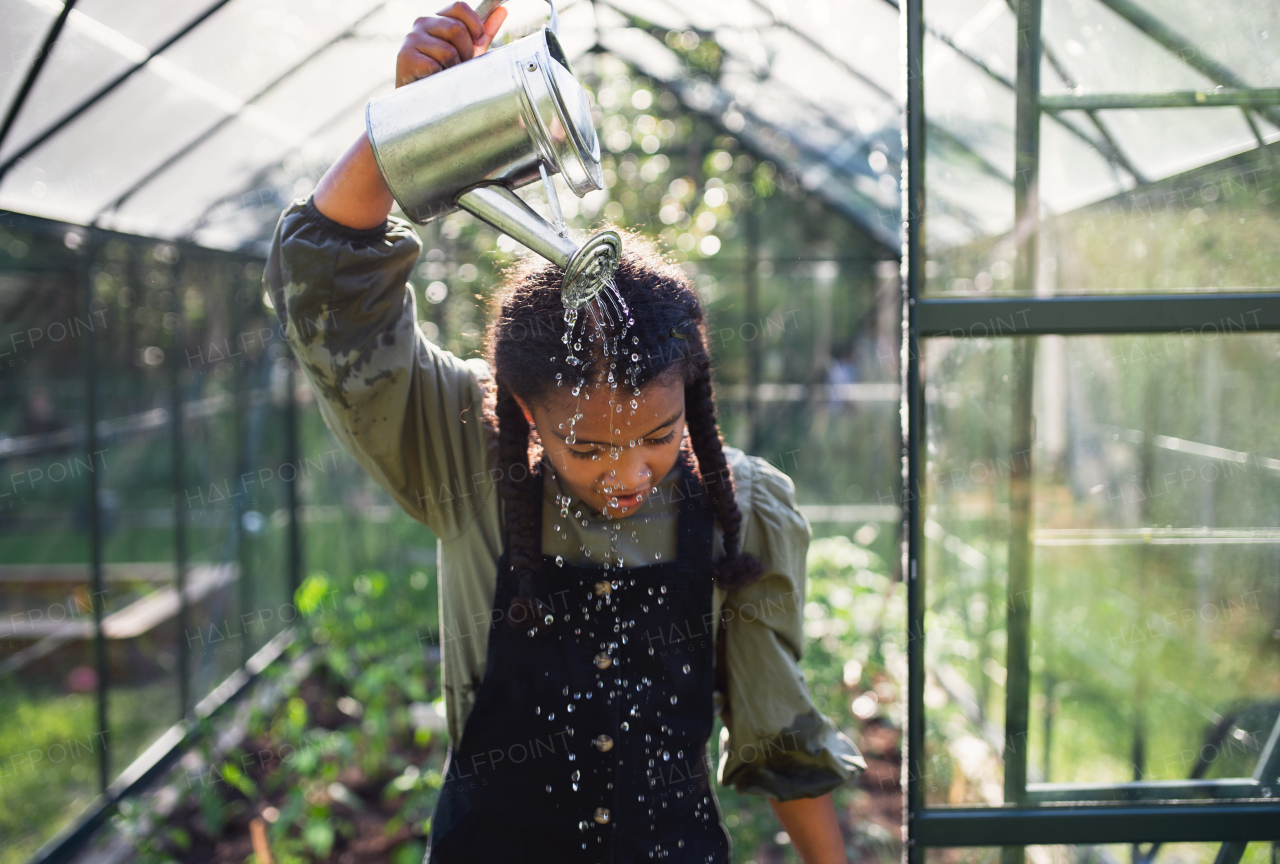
(1089, 815)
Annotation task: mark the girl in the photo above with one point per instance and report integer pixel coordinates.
(609, 571)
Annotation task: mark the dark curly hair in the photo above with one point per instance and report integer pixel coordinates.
(525, 350)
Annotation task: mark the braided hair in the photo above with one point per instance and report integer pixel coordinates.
(525, 351)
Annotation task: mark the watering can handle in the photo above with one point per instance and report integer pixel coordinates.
(485, 9)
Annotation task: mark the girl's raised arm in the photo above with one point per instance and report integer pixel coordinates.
(352, 192)
(408, 412)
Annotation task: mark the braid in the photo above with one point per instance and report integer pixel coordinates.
(521, 516)
(736, 569)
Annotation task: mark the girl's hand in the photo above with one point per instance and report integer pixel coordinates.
(352, 192)
(445, 40)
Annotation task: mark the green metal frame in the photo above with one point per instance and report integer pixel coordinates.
(1206, 314)
(1259, 98)
(1228, 811)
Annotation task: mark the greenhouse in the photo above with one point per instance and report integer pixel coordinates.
(992, 282)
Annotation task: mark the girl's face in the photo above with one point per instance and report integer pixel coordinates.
(612, 457)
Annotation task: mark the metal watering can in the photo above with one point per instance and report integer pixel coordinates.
(468, 136)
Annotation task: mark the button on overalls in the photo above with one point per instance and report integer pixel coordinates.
(587, 743)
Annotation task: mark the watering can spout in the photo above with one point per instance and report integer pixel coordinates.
(505, 210)
(584, 266)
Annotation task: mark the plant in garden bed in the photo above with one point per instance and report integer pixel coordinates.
(339, 771)
(347, 768)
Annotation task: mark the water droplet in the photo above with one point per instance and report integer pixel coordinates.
(548, 788)
(674, 699)
(687, 668)
(663, 589)
(657, 556)
(569, 707)
(575, 776)
(625, 725)
(583, 826)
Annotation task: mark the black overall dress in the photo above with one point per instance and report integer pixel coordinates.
(588, 742)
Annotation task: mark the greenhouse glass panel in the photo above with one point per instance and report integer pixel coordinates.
(54, 750)
(134, 286)
(226, 160)
(21, 40)
(1152, 596)
(1050, 545)
(1185, 191)
(214, 344)
(85, 165)
(100, 41)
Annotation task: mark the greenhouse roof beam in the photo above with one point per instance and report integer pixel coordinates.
(1253, 127)
(37, 64)
(1116, 155)
(1250, 98)
(229, 118)
(876, 227)
(1184, 49)
(834, 122)
(818, 46)
(872, 220)
(1107, 148)
(62, 122)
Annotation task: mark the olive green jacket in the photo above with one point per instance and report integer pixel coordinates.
(410, 414)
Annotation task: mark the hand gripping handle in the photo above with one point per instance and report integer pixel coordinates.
(485, 9)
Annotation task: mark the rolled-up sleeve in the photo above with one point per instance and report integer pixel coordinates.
(408, 412)
(774, 741)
